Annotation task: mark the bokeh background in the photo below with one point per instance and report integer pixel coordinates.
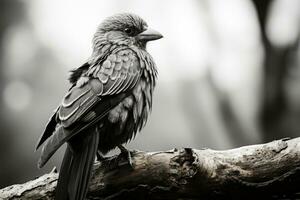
(229, 72)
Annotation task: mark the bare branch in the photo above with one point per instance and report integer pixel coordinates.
(269, 171)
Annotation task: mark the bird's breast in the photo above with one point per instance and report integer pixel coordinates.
(134, 109)
(127, 118)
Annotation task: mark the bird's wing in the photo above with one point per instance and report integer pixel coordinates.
(117, 74)
(51, 125)
(92, 97)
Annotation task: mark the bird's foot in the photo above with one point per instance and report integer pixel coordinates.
(115, 162)
(125, 154)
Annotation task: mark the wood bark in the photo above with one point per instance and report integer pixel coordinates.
(264, 171)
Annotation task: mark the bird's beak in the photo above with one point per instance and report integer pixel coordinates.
(149, 35)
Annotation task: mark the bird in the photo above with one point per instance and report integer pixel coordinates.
(108, 102)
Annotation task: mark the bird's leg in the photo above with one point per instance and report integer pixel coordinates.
(126, 153)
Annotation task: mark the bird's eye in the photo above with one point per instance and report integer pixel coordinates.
(129, 31)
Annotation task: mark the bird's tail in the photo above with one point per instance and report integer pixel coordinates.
(77, 166)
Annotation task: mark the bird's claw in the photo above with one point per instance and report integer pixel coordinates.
(124, 158)
(125, 153)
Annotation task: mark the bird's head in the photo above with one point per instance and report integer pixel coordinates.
(125, 29)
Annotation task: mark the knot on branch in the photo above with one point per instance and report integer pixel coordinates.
(183, 166)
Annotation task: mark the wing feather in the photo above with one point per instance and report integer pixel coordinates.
(62, 134)
(82, 98)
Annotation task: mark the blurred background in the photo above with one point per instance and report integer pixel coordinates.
(229, 72)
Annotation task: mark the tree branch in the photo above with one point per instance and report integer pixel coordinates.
(268, 171)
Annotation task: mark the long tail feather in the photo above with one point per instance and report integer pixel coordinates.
(65, 169)
(74, 177)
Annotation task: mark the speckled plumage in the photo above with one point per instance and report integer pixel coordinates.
(107, 104)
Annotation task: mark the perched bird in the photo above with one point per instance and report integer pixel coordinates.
(107, 104)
